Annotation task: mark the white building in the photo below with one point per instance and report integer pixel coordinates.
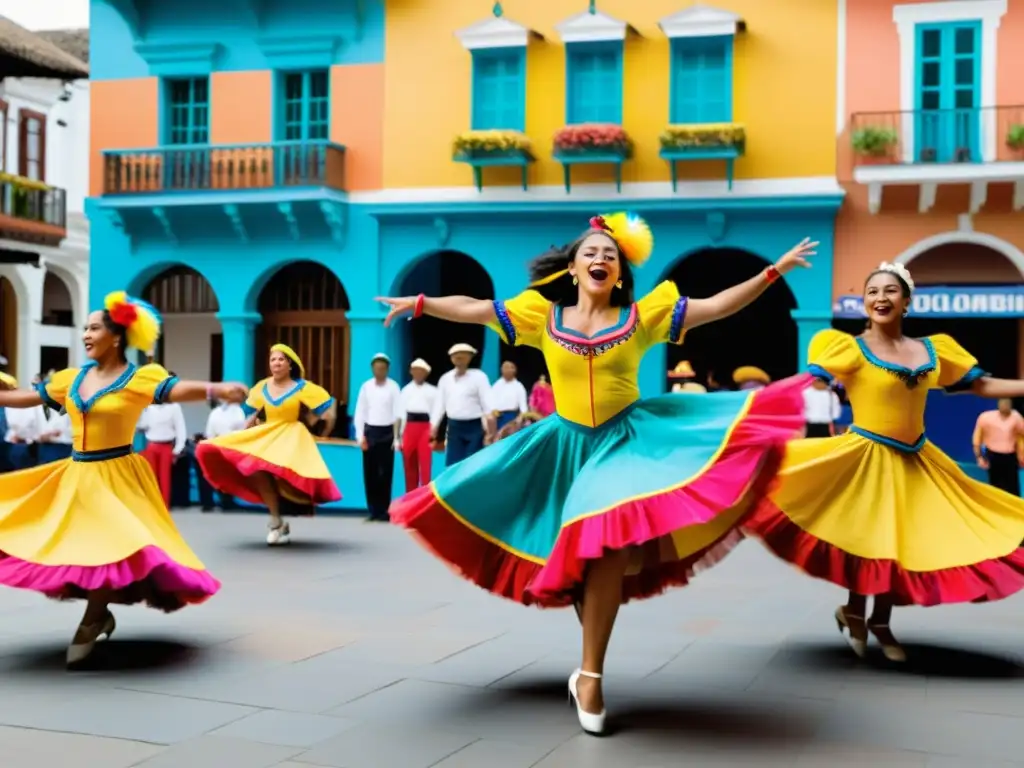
(44, 234)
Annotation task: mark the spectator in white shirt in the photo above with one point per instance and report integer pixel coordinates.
(378, 424)
(164, 427)
(821, 409)
(463, 395)
(224, 419)
(418, 398)
(25, 427)
(55, 443)
(508, 396)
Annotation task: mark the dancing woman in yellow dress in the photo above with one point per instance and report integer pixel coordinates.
(95, 526)
(880, 510)
(613, 498)
(278, 458)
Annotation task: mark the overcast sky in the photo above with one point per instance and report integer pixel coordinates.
(47, 14)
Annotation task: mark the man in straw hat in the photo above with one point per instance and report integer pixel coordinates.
(749, 378)
(463, 395)
(377, 422)
(418, 398)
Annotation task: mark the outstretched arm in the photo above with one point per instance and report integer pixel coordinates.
(732, 300)
(19, 398)
(998, 388)
(179, 391)
(457, 309)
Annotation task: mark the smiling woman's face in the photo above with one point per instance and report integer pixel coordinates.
(884, 299)
(597, 265)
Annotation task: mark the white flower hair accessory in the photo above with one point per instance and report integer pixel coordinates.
(900, 270)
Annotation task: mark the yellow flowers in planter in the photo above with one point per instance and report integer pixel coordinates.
(490, 142)
(22, 182)
(708, 135)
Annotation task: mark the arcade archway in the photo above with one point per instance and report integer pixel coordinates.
(764, 334)
(443, 273)
(9, 325)
(305, 306)
(994, 340)
(58, 336)
(191, 344)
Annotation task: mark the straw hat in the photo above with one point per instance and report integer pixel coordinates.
(683, 370)
(748, 373)
(461, 347)
(420, 363)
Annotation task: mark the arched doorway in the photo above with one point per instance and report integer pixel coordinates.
(58, 334)
(305, 306)
(191, 344)
(995, 341)
(764, 334)
(9, 325)
(443, 273)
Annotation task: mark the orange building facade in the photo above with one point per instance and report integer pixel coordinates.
(930, 124)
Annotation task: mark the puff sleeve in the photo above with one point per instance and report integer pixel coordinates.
(520, 320)
(154, 383)
(662, 314)
(958, 368)
(54, 389)
(833, 355)
(254, 402)
(316, 398)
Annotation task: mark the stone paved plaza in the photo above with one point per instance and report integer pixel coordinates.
(355, 649)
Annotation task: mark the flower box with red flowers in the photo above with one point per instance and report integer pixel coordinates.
(600, 140)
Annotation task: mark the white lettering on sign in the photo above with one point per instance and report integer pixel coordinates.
(952, 303)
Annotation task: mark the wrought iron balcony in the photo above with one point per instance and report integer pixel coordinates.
(208, 167)
(983, 135)
(30, 210)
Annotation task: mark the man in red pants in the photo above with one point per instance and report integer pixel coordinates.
(164, 428)
(416, 404)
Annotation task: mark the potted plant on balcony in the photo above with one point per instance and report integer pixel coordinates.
(680, 140)
(15, 192)
(492, 144)
(874, 144)
(1015, 138)
(597, 140)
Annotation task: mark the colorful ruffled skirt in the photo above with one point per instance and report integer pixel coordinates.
(669, 478)
(285, 450)
(883, 521)
(71, 527)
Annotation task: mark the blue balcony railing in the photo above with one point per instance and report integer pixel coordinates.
(983, 135)
(206, 167)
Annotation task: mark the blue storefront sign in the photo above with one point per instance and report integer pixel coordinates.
(949, 301)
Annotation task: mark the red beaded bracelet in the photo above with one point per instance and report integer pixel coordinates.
(772, 274)
(417, 311)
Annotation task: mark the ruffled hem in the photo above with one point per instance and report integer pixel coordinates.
(742, 472)
(982, 582)
(149, 576)
(506, 574)
(228, 471)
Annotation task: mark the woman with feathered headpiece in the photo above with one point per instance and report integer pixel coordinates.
(615, 498)
(95, 526)
(278, 459)
(879, 510)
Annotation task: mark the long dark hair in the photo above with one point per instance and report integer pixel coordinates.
(562, 291)
(120, 332)
(904, 286)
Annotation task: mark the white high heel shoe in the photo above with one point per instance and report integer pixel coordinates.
(591, 723)
(858, 646)
(79, 652)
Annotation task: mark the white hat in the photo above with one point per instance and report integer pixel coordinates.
(419, 362)
(380, 357)
(461, 347)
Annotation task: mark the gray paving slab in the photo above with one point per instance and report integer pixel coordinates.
(355, 648)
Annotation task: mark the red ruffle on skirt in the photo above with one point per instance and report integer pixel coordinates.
(988, 580)
(229, 471)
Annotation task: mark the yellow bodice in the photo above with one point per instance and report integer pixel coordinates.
(108, 418)
(288, 406)
(593, 378)
(889, 400)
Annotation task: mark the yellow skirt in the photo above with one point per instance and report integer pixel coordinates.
(285, 450)
(72, 527)
(879, 520)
